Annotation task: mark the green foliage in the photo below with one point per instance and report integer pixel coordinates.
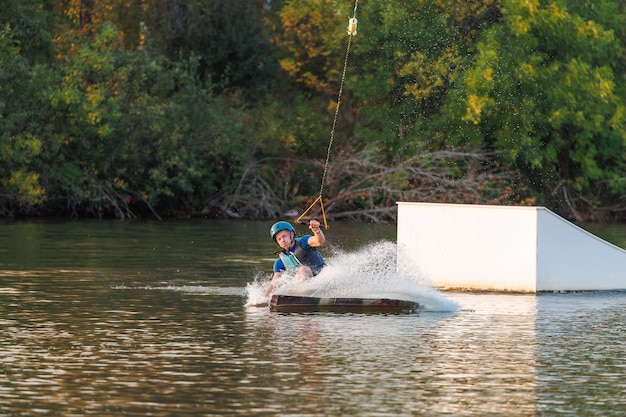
(124, 108)
(407, 60)
(543, 92)
(137, 128)
(300, 127)
(230, 40)
(312, 35)
(31, 26)
(21, 135)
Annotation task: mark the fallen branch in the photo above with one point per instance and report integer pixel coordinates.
(358, 187)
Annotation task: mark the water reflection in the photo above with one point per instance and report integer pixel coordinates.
(430, 363)
(101, 351)
(581, 344)
(487, 352)
(121, 331)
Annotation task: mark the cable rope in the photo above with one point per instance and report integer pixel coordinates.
(352, 25)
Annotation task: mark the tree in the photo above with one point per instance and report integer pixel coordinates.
(136, 132)
(312, 35)
(25, 56)
(542, 91)
(230, 38)
(408, 56)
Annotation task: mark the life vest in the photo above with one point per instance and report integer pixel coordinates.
(302, 256)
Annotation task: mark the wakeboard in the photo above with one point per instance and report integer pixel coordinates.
(293, 303)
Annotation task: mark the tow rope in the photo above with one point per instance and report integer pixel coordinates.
(352, 24)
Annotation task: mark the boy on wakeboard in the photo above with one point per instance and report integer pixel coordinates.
(295, 252)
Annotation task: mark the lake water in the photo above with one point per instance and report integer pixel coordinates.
(150, 319)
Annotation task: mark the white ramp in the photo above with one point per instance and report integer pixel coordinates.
(504, 248)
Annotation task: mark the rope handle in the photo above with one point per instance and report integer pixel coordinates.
(309, 209)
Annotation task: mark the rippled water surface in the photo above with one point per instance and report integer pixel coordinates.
(146, 318)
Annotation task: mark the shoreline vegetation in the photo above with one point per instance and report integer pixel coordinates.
(156, 109)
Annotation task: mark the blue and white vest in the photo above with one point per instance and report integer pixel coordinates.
(300, 255)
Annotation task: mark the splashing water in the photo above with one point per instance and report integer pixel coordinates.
(370, 272)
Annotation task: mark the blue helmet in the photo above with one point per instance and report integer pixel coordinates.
(279, 226)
